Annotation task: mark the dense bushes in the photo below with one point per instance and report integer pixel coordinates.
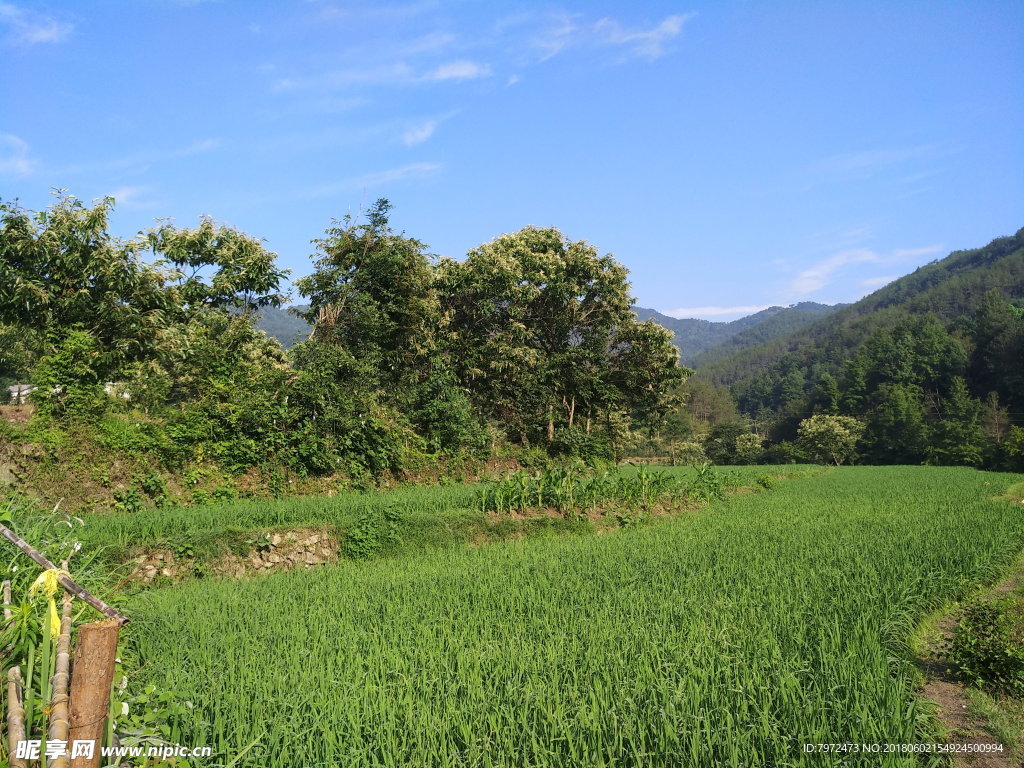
(988, 645)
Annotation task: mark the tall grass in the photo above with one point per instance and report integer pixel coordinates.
(731, 638)
(574, 491)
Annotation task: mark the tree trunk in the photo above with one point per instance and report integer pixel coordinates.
(551, 423)
(58, 730)
(92, 675)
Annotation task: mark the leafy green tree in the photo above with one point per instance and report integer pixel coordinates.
(68, 383)
(60, 269)
(748, 448)
(372, 293)
(722, 442)
(830, 439)
(826, 394)
(545, 335)
(958, 437)
(216, 267)
(896, 432)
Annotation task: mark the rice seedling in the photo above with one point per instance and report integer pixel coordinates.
(730, 638)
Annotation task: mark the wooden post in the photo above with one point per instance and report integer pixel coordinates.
(65, 581)
(91, 678)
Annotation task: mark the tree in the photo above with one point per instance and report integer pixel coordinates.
(372, 293)
(545, 335)
(896, 431)
(830, 439)
(216, 267)
(748, 448)
(958, 437)
(60, 269)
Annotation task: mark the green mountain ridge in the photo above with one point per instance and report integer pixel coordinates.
(950, 289)
(702, 341)
(699, 341)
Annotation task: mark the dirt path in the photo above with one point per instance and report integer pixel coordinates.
(943, 687)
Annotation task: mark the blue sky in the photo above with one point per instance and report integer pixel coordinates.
(733, 155)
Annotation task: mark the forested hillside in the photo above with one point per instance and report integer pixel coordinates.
(932, 365)
(284, 324)
(698, 341)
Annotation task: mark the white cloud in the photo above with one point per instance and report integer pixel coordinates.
(684, 313)
(459, 70)
(376, 179)
(878, 282)
(818, 276)
(825, 272)
(564, 31)
(132, 198)
(29, 27)
(645, 43)
(15, 157)
(419, 133)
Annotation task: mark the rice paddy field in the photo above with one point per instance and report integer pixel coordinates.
(729, 636)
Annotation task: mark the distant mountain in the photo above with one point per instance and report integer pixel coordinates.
(777, 325)
(283, 325)
(951, 289)
(698, 340)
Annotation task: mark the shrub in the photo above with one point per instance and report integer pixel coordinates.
(989, 644)
(707, 485)
(374, 531)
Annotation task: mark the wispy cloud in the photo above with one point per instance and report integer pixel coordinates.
(563, 31)
(459, 70)
(869, 161)
(133, 198)
(826, 271)
(644, 43)
(419, 133)
(138, 160)
(15, 156)
(375, 179)
(395, 73)
(878, 282)
(705, 312)
(29, 27)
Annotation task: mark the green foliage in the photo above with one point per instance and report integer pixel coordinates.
(988, 646)
(374, 531)
(830, 439)
(707, 485)
(724, 441)
(68, 382)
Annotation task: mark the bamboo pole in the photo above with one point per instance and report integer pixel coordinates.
(64, 579)
(91, 678)
(59, 723)
(15, 718)
(15, 711)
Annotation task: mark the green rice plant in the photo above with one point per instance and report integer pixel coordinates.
(730, 638)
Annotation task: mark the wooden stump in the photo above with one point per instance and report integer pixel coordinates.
(91, 678)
